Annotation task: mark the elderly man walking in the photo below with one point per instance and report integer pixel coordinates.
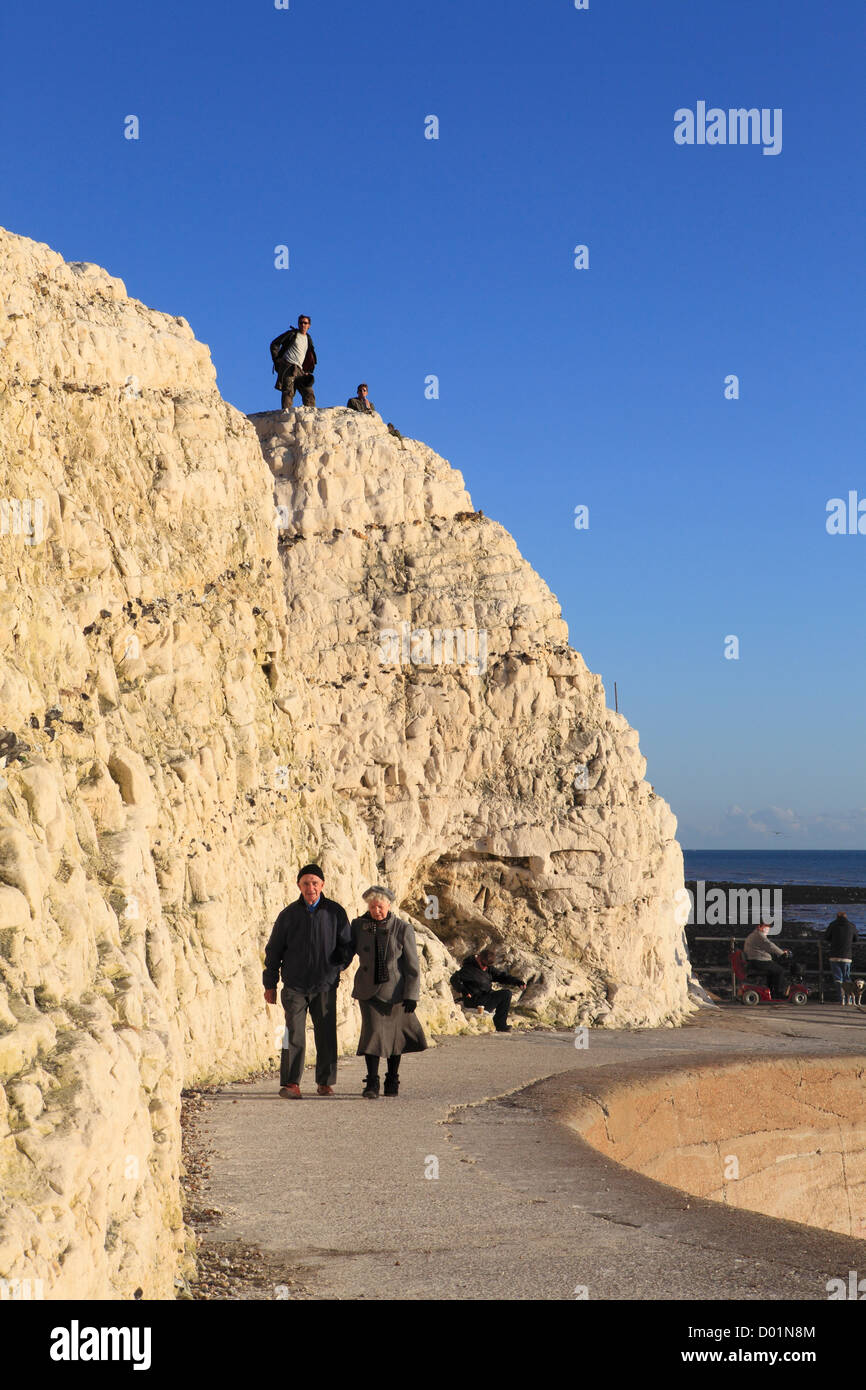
(308, 946)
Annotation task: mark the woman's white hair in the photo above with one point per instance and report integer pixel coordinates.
(378, 891)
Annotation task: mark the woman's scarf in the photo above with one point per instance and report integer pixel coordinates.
(380, 948)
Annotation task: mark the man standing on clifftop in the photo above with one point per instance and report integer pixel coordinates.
(294, 359)
(309, 946)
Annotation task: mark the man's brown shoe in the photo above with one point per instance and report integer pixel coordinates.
(290, 1092)
(324, 1090)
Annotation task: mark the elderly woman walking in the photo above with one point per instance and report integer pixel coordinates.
(387, 985)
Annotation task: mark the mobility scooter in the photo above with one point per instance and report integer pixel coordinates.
(750, 989)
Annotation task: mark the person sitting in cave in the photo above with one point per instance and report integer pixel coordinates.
(474, 980)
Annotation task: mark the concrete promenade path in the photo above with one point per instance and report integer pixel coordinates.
(343, 1192)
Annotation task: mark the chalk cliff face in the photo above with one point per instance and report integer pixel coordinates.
(505, 801)
(213, 693)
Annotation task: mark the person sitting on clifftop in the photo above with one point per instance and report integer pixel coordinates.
(474, 979)
(294, 358)
(361, 401)
(759, 951)
(365, 405)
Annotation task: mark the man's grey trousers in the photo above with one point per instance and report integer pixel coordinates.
(323, 1014)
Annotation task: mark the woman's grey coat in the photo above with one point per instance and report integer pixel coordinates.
(401, 960)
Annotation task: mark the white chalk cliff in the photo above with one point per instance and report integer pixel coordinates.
(214, 692)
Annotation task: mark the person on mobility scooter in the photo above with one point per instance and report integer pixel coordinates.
(759, 950)
(757, 977)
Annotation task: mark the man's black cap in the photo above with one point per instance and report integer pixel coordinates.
(311, 869)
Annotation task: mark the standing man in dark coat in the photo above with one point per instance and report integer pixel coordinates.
(308, 946)
(294, 359)
(474, 980)
(840, 936)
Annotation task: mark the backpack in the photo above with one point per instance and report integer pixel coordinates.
(279, 345)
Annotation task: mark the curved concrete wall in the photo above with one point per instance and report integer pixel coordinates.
(782, 1136)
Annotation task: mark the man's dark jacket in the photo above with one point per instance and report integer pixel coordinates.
(366, 407)
(472, 980)
(841, 935)
(281, 345)
(307, 948)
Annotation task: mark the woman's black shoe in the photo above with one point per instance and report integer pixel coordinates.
(371, 1088)
(392, 1085)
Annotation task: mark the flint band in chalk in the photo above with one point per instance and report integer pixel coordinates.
(737, 126)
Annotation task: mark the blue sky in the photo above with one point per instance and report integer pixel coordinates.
(558, 387)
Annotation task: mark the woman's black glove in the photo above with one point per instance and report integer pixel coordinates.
(409, 1005)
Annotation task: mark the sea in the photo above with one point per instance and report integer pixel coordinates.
(841, 870)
